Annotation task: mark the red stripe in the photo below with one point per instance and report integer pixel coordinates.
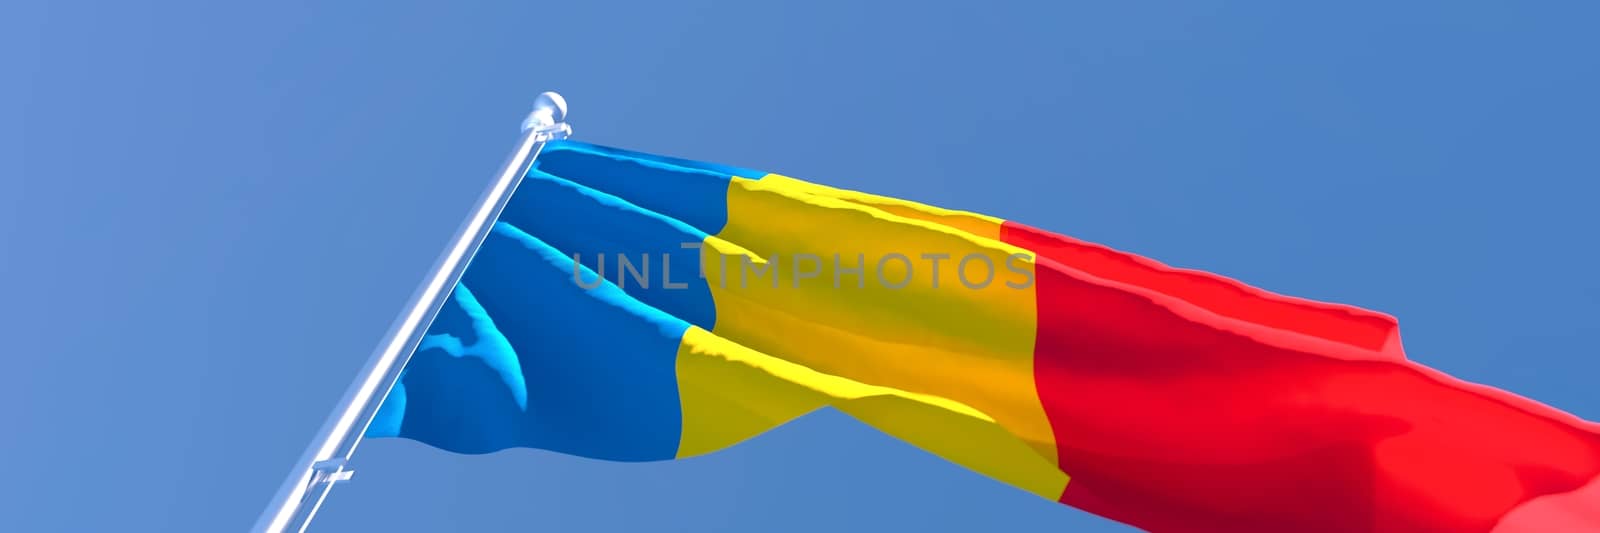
(1218, 294)
(1173, 416)
(1578, 510)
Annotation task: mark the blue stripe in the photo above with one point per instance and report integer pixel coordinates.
(523, 356)
(696, 193)
(593, 224)
(597, 368)
(717, 168)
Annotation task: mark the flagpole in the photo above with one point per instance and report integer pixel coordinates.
(324, 462)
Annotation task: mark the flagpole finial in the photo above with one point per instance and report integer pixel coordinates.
(549, 110)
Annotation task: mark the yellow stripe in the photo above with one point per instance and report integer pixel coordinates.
(933, 336)
(731, 393)
(978, 224)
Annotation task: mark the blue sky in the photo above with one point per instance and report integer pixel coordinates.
(210, 213)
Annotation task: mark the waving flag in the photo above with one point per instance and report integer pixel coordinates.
(633, 307)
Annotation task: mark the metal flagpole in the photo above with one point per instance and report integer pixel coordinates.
(323, 463)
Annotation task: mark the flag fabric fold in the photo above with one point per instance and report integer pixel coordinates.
(634, 307)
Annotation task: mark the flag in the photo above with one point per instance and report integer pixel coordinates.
(634, 307)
